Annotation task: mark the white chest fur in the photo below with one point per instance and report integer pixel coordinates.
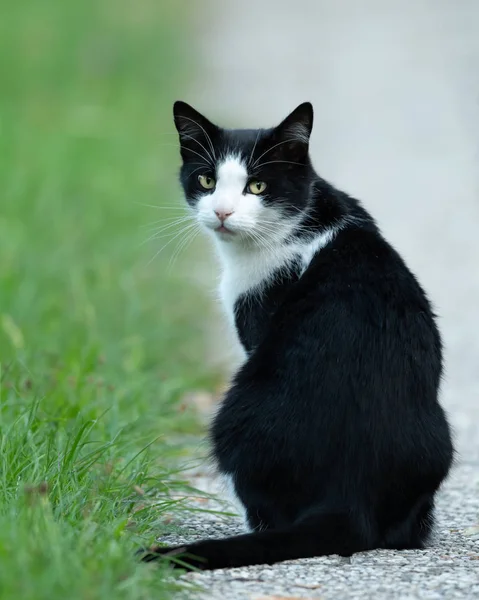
(248, 269)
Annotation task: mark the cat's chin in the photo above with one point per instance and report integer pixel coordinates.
(225, 235)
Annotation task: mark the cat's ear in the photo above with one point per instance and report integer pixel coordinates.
(294, 132)
(196, 132)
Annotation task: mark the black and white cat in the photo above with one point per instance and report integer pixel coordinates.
(331, 433)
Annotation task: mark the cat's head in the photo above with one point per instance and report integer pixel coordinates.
(247, 186)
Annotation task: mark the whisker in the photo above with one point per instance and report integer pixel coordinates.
(170, 224)
(197, 169)
(260, 240)
(158, 236)
(254, 147)
(183, 245)
(160, 233)
(187, 228)
(198, 142)
(166, 219)
(162, 207)
(207, 162)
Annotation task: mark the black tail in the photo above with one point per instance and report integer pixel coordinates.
(316, 535)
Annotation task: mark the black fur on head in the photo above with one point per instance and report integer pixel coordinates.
(279, 156)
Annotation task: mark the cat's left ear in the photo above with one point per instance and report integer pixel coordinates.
(294, 132)
(196, 132)
(298, 124)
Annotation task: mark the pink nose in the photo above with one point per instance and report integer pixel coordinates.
(223, 215)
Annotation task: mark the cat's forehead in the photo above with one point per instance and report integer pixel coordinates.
(232, 173)
(242, 142)
(246, 135)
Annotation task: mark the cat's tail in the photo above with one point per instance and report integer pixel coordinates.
(316, 535)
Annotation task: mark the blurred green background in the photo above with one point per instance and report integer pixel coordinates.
(99, 338)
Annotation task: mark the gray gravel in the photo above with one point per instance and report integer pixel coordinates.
(395, 87)
(448, 569)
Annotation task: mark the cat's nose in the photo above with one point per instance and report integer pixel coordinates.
(223, 215)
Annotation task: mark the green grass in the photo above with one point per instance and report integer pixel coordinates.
(98, 342)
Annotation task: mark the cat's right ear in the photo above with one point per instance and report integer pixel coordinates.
(196, 132)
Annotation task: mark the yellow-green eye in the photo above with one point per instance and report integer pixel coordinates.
(256, 187)
(207, 182)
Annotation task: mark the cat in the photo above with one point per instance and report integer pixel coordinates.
(331, 433)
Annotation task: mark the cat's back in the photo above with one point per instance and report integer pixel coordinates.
(351, 357)
(361, 274)
(357, 313)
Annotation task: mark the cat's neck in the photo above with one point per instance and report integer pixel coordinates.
(247, 269)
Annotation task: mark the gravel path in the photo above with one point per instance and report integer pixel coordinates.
(448, 569)
(395, 87)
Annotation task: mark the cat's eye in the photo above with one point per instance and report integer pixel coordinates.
(206, 182)
(256, 187)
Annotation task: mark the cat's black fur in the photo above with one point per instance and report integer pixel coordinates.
(332, 427)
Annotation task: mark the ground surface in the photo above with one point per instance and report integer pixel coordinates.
(396, 92)
(449, 569)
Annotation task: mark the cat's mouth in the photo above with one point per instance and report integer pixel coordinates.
(224, 230)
